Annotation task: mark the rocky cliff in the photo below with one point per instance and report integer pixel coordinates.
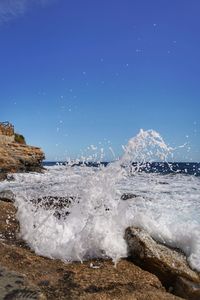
(17, 157)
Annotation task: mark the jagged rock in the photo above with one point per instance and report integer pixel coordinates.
(14, 286)
(60, 205)
(3, 175)
(168, 264)
(9, 226)
(127, 196)
(15, 157)
(187, 289)
(72, 281)
(57, 202)
(7, 196)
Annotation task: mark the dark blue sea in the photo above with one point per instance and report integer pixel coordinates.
(188, 168)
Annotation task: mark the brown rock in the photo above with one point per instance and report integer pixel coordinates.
(3, 175)
(58, 280)
(15, 286)
(168, 264)
(15, 157)
(9, 226)
(95, 279)
(187, 289)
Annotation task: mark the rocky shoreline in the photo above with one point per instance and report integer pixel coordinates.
(15, 154)
(152, 271)
(16, 157)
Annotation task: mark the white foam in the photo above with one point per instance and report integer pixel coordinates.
(95, 227)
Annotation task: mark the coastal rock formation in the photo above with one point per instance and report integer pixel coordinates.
(94, 279)
(7, 195)
(168, 264)
(14, 286)
(15, 156)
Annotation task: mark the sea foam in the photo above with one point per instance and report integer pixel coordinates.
(167, 206)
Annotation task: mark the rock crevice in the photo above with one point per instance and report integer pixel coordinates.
(168, 264)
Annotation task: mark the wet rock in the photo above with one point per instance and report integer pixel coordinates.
(187, 289)
(127, 196)
(7, 196)
(9, 225)
(59, 205)
(10, 177)
(94, 279)
(59, 280)
(14, 286)
(3, 175)
(43, 283)
(57, 202)
(168, 264)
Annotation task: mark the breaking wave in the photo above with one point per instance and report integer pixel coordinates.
(76, 213)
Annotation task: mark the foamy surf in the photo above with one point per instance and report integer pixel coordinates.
(94, 222)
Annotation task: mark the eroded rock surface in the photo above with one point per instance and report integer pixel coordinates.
(14, 286)
(95, 279)
(169, 265)
(7, 196)
(187, 288)
(15, 157)
(58, 280)
(60, 205)
(127, 196)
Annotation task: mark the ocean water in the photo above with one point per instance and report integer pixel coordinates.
(163, 168)
(76, 211)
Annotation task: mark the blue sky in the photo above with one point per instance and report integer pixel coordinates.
(79, 73)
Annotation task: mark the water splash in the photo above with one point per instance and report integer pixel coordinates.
(92, 218)
(147, 146)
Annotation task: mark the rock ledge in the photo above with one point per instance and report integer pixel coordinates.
(168, 264)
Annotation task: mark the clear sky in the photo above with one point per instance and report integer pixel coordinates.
(75, 73)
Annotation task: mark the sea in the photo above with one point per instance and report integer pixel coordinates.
(162, 168)
(77, 210)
